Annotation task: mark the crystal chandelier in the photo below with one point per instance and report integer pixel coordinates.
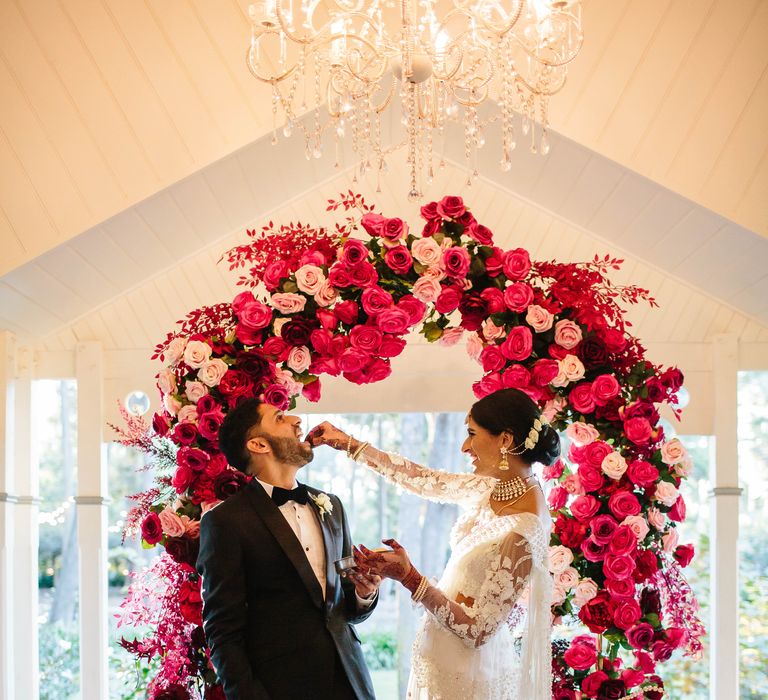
(474, 62)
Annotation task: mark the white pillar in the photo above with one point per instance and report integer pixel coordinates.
(724, 572)
(92, 523)
(25, 595)
(7, 505)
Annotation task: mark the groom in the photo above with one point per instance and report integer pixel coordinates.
(275, 612)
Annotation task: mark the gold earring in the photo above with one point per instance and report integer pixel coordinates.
(504, 463)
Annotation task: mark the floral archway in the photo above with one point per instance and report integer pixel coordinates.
(340, 301)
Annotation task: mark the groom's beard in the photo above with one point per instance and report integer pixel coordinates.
(290, 450)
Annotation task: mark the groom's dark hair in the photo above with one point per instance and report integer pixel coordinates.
(234, 430)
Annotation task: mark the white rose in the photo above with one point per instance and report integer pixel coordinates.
(558, 594)
(299, 359)
(188, 413)
(657, 518)
(309, 279)
(491, 331)
(474, 346)
(539, 318)
(567, 578)
(211, 372)
(171, 404)
(666, 493)
(175, 351)
(582, 433)
(197, 353)
(638, 524)
(670, 539)
(195, 391)
(426, 251)
(586, 589)
(326, 294)
(560, 558)
(288, 302)
(614, 465)
(673, 452)
(426, 289)
(166, 381)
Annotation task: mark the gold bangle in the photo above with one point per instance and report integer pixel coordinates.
(349, 446)
(359, 450)
(421, 590)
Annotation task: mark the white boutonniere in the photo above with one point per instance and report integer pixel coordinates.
(323, 503)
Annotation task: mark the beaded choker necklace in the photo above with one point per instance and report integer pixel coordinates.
(511, 488)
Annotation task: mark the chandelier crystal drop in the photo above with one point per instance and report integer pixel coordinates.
(474, 62)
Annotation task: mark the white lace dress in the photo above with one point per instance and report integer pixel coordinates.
(495, 643)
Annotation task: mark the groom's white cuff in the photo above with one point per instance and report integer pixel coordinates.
(366, 602)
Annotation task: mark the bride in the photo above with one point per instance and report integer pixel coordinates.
(486, 630)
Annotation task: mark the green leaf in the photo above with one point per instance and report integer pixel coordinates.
(432, 331)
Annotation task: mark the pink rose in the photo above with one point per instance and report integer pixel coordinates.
(171, 404)
(584, 507)
(175, 350)
(398, 259)
(393, 321)
(560, 558)
(544, 371)
(194, 391)
(627, 613)
(582, 398)
(621, 588)
(657, 518)
(638, 430)
(448, 300)
(571, 370)
(591, 479)
(670, 539)
(518, 296)
(638, 524)
(623, 504)
(451, 207)
(614, 466)
(604, 388)
(642, 473)
(172, 524)
(457, 262)
(326, 294)
(572, 485)
(451, 336)
(375, 300)
(394, 230)
(557, 498)
(197, 353)
(673, 452)
(618, 566)
(623, 541)
(288, 302)
(426, 289)
(494, 300)
(567, 578)
(517, 264)
(366, 338)
(666, 493)
(492, 359)
(539, 318)
(427, 251)
(518, 343)
(491, 331)
(309, 279)
(586, 589)
(582, 433)
(567, 334)
(299, 358)
(373, 223)
(166, 381)
(580, 656)
(474, 346)
(212, 371)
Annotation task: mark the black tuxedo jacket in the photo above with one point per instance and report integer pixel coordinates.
(270, 632)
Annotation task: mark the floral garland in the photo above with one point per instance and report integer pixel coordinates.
(342, 304)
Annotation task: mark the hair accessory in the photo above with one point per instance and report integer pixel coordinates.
(533, 437)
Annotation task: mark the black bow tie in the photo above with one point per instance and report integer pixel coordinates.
(299, 494)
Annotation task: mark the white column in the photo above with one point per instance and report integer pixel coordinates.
(7, 506)
(25, 595)
(724, 534)
(92, 523)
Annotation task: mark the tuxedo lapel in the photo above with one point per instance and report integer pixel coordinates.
(332, 542)
(281, 530)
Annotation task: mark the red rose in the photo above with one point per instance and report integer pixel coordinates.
(210, 423)
(448, 300)
(662, 650)
(481, 234)
(571, 532)
(374, 300)
(184, 434)
(580, 656)
(339, 275)
(373, 223)
(614, 340)
(677, 512)
(494, 262)
(394, 229)
(518, 296)
(366, 338)
(596, 452)
(554, 471)
(399, 259)
(182, 478)
(656, 391)
(673, 379)
(518, 343)
(457, 262)
(632, 677)
(646, 565)
(277, 395)
(431, 228)
(650, 601)
(557, 498)
(487, 385)
(494, 300)
(473, 310)
(642, 473)
(183, 550)
(274, 273)
(353, 359)
(618, 566)
(603, 527)
(393, 321)
(353, 252)
(228, 483)
(604, 388)
(612, 689)
(590, 478)
(275, 347)
(584, 507)
(151, 529)
(623, 541)
(684, 554)
(623, 504)
(363, 275)
(236, 383)
(544, 371)
(375, 371)
(582, 398)
(391, 346)
(597, 614)
(214, 692)
(677, 637)
(591, 684)
(311, 391)
(491, 358)
(190, 602)
(640, 636)
(451, 207)
(516, 377)
(297, 331)
(620, 588)
(415, 308)
(592, 352)
(192, 458)
(638, 430)
(161, 424)
(346, 312)
(593, 551)
(517, 264)
(172, 692)
(563, 692)
(627, 613)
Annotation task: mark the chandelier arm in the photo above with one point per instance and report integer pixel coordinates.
(272, 80)
(548, 62)
(539, 91)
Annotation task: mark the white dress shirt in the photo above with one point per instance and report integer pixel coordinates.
(305, 524)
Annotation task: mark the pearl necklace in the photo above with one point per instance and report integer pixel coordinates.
(512, 488)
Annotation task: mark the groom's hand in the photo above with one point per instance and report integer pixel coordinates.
(366, 584)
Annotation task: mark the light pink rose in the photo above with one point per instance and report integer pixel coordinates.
(171, 404)
(572, 485)
(539, 318)
(288, 302)
(586, 589)
(309, 279)
(326, 294)
(567, 334)
(427, 251)
(491, 331)
(451, 336)
(673, 452)
(558, 594)
(614, 465)
(191, 527)
(426, 289)
(278, 324)
(188, 413)
(299, 358)
(172, 524)
(638, 524)
(175, 351)
(435, 272)
(553, 407)
(567, 578)
(195, 391)
(197, 353)
(572, 367)
(684, 467)
(670, 539)
(560, 558)
(657, 518)
(474, 346)
(666, 493)
(582, 433)
(212, 371)
(166, 381)
(285, 378)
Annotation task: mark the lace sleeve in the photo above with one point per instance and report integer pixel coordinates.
(432, 484)
(475, 621)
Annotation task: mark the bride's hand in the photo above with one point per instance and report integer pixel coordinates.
(393, 563)
(327, 434)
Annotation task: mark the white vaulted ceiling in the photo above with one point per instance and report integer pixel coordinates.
(134, 149)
